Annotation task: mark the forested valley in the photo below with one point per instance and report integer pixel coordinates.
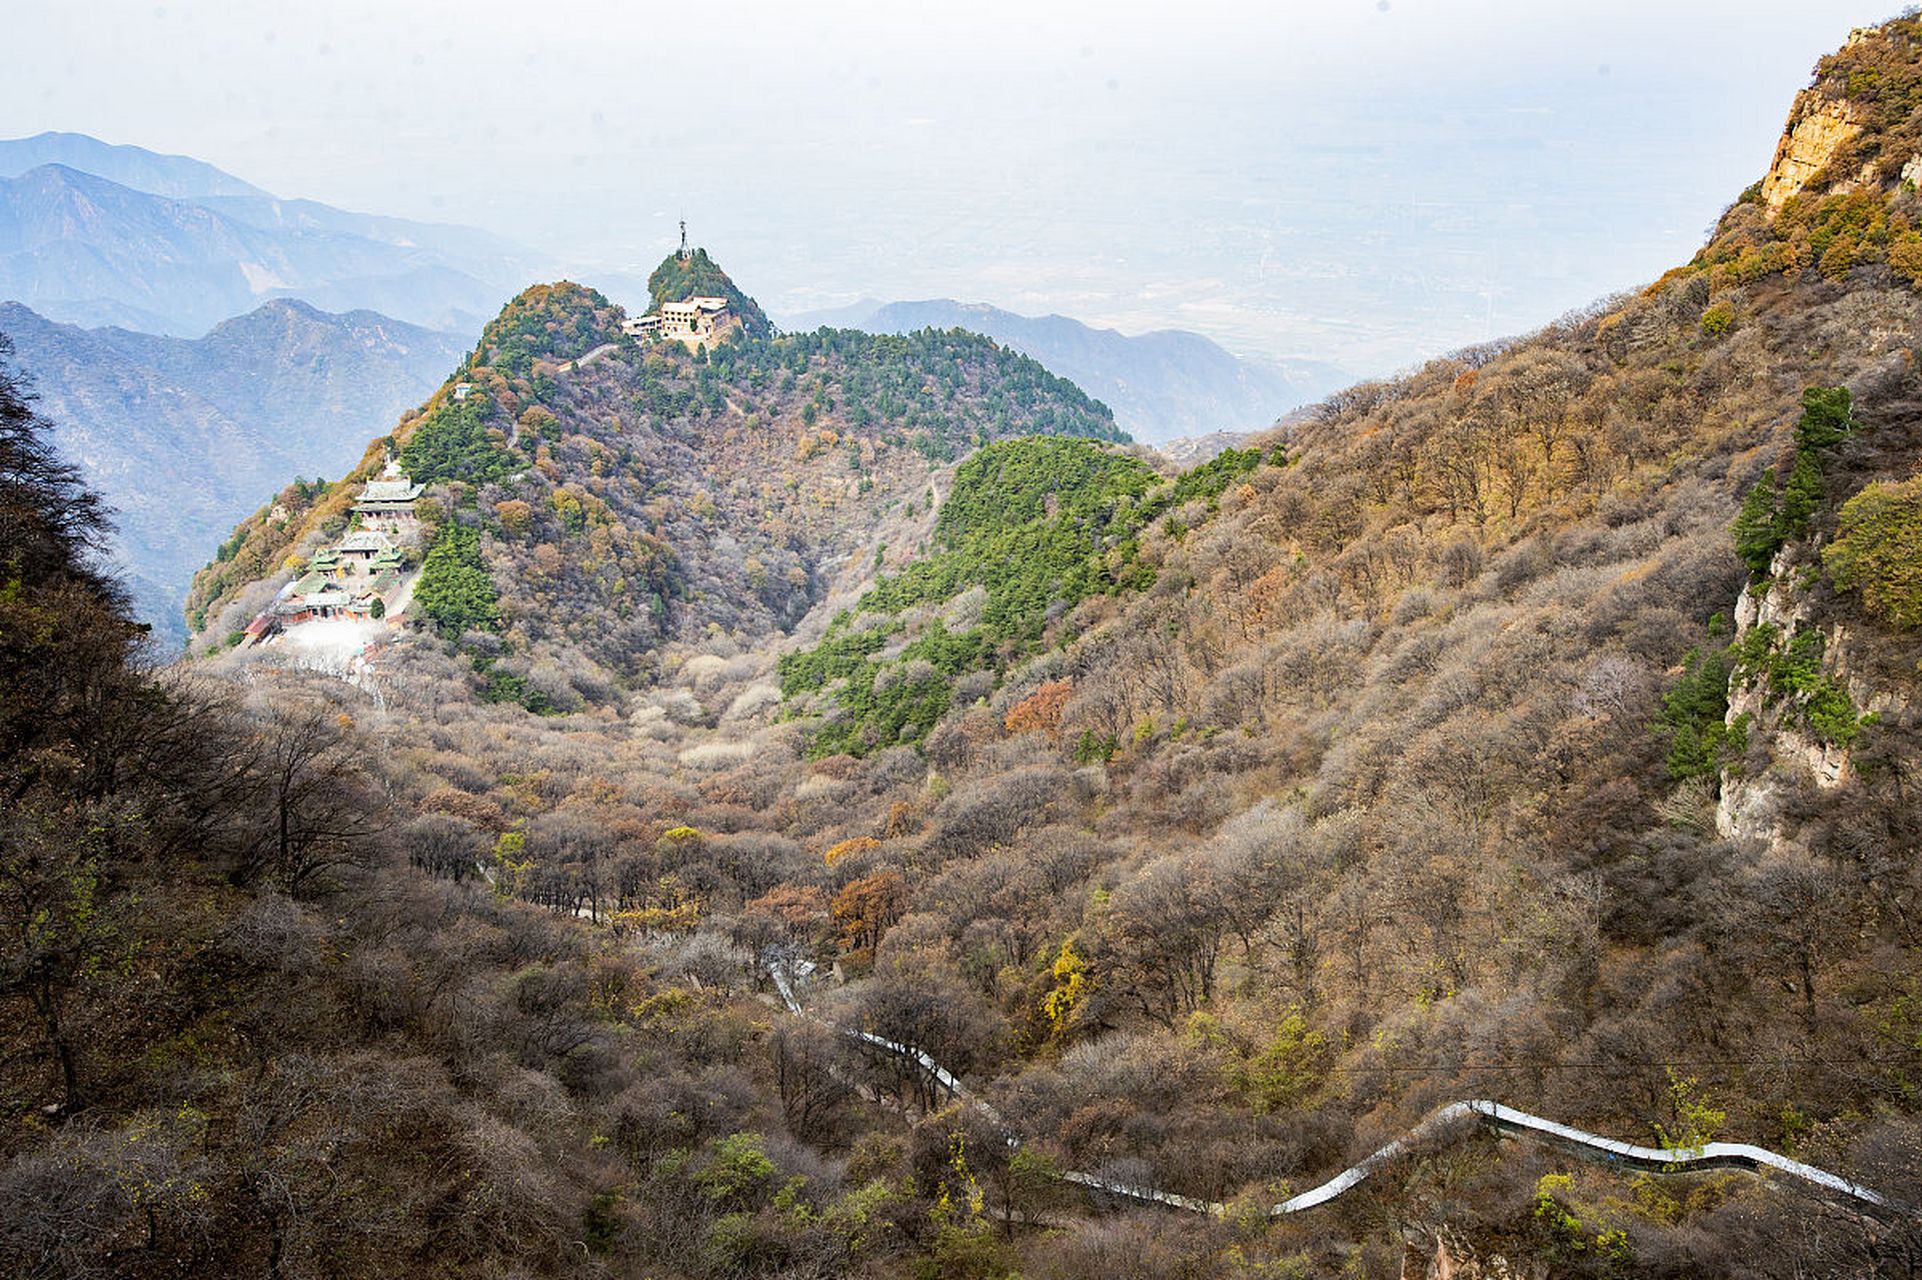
(1539, 726)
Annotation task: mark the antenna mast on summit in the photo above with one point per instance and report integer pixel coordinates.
(683, 239)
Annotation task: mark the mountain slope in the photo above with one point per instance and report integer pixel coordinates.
(637, 486)
(1161, 385)
(82, 249)
(1355, 784)
(481, 254)
(299, 1139)
(1210, 831)
(178, 177)
(182, 437)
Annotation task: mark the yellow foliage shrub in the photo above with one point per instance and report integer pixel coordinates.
(849, 848)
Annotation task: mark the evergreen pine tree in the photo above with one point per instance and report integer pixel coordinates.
(1826, 420)
(1800, 497)
(1756, 528)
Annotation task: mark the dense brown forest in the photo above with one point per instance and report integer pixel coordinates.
(1540, 725)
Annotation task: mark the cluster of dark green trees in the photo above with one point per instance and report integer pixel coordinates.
(455, 591)
(451, 443)
(1037, 524)
(457, 595)
(1774, 514)
(1695, 711)
(1701, 740)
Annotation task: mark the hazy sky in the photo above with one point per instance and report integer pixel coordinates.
(1364, 181)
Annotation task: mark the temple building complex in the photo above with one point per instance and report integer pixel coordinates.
(358, 577)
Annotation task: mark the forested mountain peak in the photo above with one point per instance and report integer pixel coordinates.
(546, 322)
(694, 274)
(629, 492)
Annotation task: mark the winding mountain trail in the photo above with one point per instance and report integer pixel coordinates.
(1450, 1122)
(583, 361)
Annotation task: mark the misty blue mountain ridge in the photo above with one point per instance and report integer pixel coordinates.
(200, 341)
(85, 249)
(94, 234)
(177, 177)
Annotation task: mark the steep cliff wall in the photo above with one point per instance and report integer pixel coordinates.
(1818, 127)
(1753, 801)
(1823, 689)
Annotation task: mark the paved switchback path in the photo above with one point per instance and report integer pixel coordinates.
(1451, 1121)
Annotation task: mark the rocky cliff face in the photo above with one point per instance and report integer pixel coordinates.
(1752, 804)
(1818, 127)
(1750, 807)
(1853, 128)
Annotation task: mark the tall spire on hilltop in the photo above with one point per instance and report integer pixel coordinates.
(683, 239)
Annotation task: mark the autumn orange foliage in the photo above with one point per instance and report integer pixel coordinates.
(866, 908)
(1040, 711)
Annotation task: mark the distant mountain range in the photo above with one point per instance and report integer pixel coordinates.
(98, 234)
(201, 402)
(1162, 385)
(185, 437)
(180, 177)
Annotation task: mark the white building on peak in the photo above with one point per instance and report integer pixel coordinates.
(692, 322)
